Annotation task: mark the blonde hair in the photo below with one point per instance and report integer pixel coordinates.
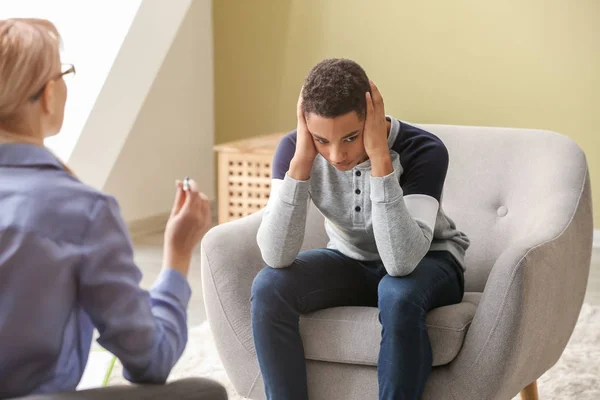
(28, 60)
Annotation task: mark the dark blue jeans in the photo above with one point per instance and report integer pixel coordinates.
(325, 278)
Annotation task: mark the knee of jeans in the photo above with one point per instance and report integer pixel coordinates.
(398, 294)
(269, 289)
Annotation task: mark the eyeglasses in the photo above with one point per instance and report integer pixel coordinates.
(66, 69)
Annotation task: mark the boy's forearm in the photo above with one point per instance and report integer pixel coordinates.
(402, 242)
(281, 232)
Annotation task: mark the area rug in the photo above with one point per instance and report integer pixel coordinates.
(575, 376)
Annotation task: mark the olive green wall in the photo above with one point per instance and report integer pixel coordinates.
(532, 64)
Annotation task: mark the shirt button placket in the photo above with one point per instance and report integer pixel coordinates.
(358, 217)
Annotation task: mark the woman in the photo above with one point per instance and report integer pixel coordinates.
(66, 261)
(378, 181)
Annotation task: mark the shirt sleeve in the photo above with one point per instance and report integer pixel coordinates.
(404, 216)
(147, 331)
(426, 173)
(282, 228)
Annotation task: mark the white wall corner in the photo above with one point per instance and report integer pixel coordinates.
(173, 132)
(141, 55)
(596, 244)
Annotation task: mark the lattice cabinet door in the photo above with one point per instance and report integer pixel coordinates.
(245, 176)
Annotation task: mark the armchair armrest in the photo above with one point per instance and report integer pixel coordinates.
(528, 310)
(230, 261)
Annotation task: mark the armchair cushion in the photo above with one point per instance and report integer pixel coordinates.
(352, 335)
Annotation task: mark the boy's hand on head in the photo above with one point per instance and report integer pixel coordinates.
(376, 135)
(306, 151)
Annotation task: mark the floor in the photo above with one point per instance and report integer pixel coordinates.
(592, 295)
(148, 257)
(148, 250)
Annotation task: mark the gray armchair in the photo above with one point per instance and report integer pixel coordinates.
(523, 197)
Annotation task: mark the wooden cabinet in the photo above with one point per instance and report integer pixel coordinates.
(244, 175)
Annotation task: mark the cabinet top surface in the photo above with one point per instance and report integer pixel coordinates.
(265, 144)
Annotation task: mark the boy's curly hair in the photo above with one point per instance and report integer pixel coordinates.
(335, 87)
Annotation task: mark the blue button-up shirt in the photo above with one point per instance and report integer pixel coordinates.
(66, 266)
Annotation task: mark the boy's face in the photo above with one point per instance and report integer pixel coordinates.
(339, 140)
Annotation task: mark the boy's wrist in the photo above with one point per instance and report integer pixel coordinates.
(178, 260)
(381, 164)
(300, 169)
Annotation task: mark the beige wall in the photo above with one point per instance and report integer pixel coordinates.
(531, 64)
(173, 133)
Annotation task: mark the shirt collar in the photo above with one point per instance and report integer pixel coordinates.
(27, 155)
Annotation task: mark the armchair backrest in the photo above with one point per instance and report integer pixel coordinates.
(505, 187)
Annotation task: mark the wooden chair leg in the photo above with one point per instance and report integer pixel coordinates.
(530, 392)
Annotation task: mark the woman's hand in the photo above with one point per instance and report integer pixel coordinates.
(189, 221)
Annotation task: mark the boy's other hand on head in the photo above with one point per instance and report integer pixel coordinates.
(376, 133)
(306, 151)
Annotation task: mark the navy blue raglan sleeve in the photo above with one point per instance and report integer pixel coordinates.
(427, 173)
